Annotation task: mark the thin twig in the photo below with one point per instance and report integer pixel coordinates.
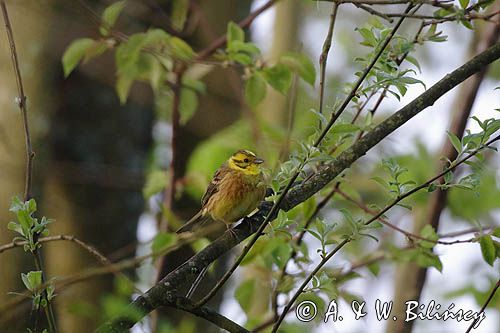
(87, 247)
(306, 282)
(30, 154)
(291, 106)
(490, 297)
(245, 23)
(324, 55)
(63, 282)
(360, 80)
(298, 240)
(372, 11)
(374, 218)
(381, 256)
(21, 103)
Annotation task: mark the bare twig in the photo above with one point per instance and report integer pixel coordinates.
(291, 106)
(63, 282)
(323, 58)
(392, 226)
(246, 22)
(21, 103)
(87, 247)
(381, 256)
(360, 80)
(372, 11)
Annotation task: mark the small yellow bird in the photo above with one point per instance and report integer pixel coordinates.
(234, 192)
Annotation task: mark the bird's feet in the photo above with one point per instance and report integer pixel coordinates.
(231, 231)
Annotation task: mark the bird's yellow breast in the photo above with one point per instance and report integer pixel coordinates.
(238, 195)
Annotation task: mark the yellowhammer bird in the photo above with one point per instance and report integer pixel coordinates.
(234, 192)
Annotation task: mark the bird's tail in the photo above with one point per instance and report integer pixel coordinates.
(194, 220)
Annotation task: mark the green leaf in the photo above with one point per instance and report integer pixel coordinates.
(374, 268)
(33, 280)
(75, 52)
(345, 128)
(239, 46)
(157, 37)
(487, 249)
(123, 84)
(179, 13)
(464, 3)
(16, 205)
(448, 177)
(368, 36)
(118, 306)
(496, 232)
(414, 62)
(245, 293)
(110, 15)
(15, 227)
(234, 33)
(127, 55)
(381, 181)
(188, 105)
(162, 241)
(411, 80)
(467, 24)
(279, 77)
(429, 233)
(281, 253)
(95, 50)
(255, 89)
(241, 58)
(180, 49)
(196, 85)
(156, 182)
(302, 65)
(429, 259)
(455, 141)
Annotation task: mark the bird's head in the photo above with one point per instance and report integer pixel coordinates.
(246, 162)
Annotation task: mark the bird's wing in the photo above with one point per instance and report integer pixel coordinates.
(213, 187)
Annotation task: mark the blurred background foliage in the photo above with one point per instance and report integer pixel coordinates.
(103, 130)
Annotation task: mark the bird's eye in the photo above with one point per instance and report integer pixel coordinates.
(245, 160)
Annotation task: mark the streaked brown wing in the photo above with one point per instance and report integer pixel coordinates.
(213, 187)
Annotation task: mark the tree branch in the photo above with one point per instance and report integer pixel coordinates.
(187, 305)
(156, 296)
(490, 297)
(30, 154)
(21, 103)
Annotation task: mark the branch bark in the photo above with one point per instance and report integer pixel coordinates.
(157, 295)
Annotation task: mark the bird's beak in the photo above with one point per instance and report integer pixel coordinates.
(258, 160)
